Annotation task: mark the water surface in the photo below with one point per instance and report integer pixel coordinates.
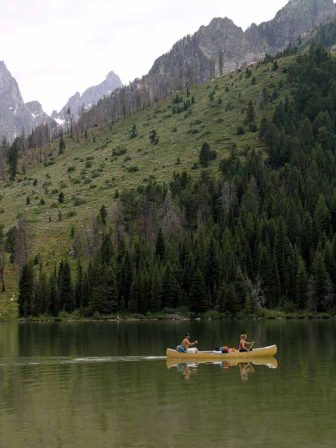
(108, 385)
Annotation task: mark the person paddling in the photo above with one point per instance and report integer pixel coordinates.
(244, 344)
(185, 346)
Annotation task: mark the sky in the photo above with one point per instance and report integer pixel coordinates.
(57, 47)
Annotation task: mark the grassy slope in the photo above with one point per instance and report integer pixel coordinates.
(97, 173)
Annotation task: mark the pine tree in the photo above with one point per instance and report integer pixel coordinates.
(79, 287)
(61, 147)
(41, 295)
(156, 290)
(213, 277)
(106, 251)
(160, 246)
(54, 306)
(103, 214)
(301, 285)
(319, 283)
(171, 291)
(198, 300)
(204, 156)
(12, 158)
(67, 302)
(250, 114)
(322, 216)
(111, 291)
(26, 290)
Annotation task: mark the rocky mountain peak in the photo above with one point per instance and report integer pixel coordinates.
(34, 107)
(111, 75)
(77, 103)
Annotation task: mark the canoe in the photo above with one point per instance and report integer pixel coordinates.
(267, 361)
(213, 355)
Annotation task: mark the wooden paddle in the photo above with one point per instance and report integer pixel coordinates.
(251, 347)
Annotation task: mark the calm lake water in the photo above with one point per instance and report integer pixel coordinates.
(108, 385)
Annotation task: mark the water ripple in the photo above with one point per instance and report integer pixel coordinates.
(80, 360)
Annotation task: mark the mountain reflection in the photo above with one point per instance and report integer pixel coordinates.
(245, 368)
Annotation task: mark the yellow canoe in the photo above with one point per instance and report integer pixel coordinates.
(214, 356)
(267, 361)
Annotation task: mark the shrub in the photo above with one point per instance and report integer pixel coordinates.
(79, 201)
(119, 151)
(61, 197)
(240, 130)
(133, 169)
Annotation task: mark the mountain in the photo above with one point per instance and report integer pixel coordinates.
(15, 115)
(79, 103)
(215, 49)
(222, 46)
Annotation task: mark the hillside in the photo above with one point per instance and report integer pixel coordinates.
(90, 172)
(220, 199)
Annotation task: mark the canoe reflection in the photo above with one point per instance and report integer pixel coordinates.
(245, 368)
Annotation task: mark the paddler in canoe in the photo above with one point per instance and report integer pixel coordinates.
(186, 346)
(244, 344)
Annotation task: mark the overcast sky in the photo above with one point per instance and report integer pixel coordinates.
(55, 47)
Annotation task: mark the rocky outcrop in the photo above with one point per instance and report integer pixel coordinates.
(77, 104)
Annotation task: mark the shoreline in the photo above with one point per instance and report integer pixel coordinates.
(176, 317)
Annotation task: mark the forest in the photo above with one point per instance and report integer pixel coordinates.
(259, 233)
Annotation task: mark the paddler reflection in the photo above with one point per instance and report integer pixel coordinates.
(245, 369)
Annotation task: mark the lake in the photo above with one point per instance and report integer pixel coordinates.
(107, 384)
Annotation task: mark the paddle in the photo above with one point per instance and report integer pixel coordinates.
(251, 347)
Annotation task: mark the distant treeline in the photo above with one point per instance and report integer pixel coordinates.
(259, 233)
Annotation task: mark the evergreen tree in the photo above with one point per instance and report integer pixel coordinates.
(103, 214)
(319, 284)
(41, 295)
(12, 158)
(250, 114)
(106, 251)
(213, 277)
(26, 290)
(156, 290)
(301, 285)
(171, 291)
(160, 246)
(61, 147)
(54, 306)
(66, 294)
(206, 155)
(198, 301)
(322, 216)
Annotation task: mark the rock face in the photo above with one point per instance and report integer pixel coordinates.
(79, 103)
(296, 18)
(15, 115)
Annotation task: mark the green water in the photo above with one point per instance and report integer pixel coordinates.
(107, 385)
